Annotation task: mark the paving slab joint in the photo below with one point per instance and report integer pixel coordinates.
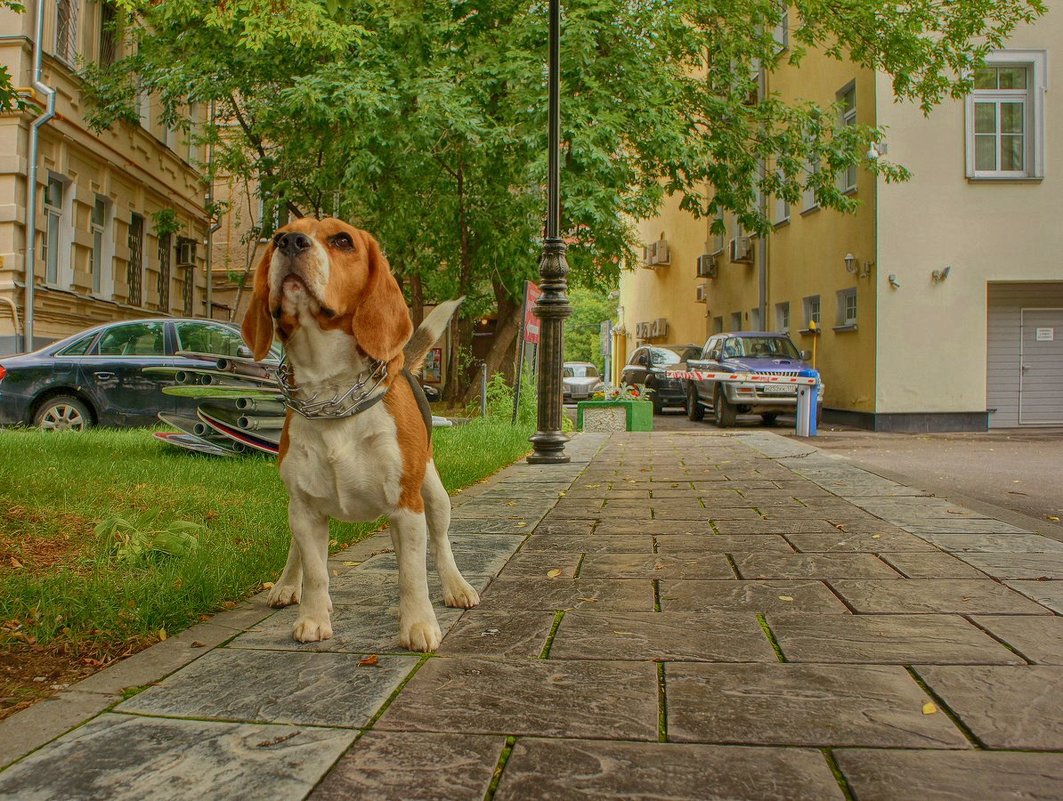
(395, 693)
(944, 707)
(662, 705)
(763, 623)
(970, 619)
(839, 777)
(579, 565)
(559, 615)
(496, 777)
(656, 595)
(733, 564)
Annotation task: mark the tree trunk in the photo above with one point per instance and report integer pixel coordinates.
(462, 327)
(507, 322)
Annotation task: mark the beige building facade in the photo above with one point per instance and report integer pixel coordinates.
(121, 223)
(948, 312)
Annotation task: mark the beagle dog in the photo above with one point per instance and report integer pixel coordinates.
(356, 442)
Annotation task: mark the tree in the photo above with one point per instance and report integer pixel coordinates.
(424, 120)
(583, 342)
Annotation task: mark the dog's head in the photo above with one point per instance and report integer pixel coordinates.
(334, 274)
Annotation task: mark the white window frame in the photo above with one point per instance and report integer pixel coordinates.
(1035, 61)
(847, 302)
(754, 319)
(66, 46)
(808, 195)
(782, 206)
(719, 241)
(782, 29)
(736, 321)
(60, 246)
(717, 324)
(813, 310)
(846, 117)
(782, 317)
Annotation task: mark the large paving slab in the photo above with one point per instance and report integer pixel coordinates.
(1005, 707)
(504, 634)
(886, 639)
(804, 705)
(995, 543)
(884, 775)
(314, 689)
(1039, 639)
(912, 596)
(812, 565)
(408, 766)
(1046, 593)
(545, 697)
(131, 758)
(565, 593)
(547, 770)
(931, 566)
(659, 566)
(749, 596)
(861, 541)
(1035, 566)
(661, 636)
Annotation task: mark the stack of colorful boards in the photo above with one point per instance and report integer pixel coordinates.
(240, 407)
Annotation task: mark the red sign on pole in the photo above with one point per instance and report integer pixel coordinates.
(531, 322)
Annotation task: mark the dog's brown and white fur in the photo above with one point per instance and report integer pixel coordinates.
(325, 289)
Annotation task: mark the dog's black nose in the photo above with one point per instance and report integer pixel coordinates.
(292, 244)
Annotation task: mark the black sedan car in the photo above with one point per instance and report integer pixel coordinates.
(648, 365)
(96, 377)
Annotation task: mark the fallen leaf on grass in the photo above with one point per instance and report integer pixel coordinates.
(162, 635)
(267, 585)
(15, 563)
(228, 604)
(786, 598)
(553, 573)
(929, 708)
(369, 661)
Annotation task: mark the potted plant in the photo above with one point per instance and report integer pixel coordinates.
(626, 408)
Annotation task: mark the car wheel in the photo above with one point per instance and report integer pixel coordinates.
(723, 412)
(769, 418)
(695, 411)
(63, 413)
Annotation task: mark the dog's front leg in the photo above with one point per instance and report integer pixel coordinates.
(286, 589)
(310, 535)
(418, 628)
(457, 592)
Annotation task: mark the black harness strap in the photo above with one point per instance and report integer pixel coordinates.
(422, 402)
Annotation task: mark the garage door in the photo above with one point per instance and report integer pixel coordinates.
(1041, 376)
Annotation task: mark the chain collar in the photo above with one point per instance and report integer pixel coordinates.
(356, 399)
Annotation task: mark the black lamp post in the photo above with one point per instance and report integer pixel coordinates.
(552, 307)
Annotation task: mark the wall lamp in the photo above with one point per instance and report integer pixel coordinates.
(853, 268)
(940, 275)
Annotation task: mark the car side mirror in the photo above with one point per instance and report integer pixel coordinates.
(806, 355)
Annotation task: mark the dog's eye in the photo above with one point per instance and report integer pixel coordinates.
(342, 242)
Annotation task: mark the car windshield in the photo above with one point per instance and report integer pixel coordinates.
(660, 357)
(580, 371)
(761, 348)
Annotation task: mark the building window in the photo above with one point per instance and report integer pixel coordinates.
(191, 150)
(754, 318)
(717, 239)
(736, 321)
(808, 197)
(782, 317)
(66, 30)
(717, 325)
(1005, 117)
(135, 271)
(782, 205)
(101, 238)
(811, 304)
(847, 308)
(782, 29)
(165, 251)
(53, 211)
(847, 117)
(107, 46)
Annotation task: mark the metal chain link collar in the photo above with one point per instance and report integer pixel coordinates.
(356, 399)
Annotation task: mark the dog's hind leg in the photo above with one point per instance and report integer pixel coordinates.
(418, 628)
(456, 590)
(286, 589)
(310, 533)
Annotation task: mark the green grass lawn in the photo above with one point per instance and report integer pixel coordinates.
(57, 583)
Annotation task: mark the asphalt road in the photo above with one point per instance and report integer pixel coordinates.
(1020, 470)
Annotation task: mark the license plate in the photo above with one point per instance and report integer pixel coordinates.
(779, 389)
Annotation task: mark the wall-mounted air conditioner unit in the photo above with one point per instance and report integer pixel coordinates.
(706, 266)
(647, 253)
(661, 255)
(703, 294)
(742, 249)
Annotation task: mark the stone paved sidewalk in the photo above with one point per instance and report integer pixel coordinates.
(672, 616)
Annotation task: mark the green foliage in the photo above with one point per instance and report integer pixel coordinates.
(500, 396)
(145, 538)
(583, 342)
(166, 222)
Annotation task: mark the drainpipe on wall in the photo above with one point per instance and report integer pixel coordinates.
(31, 177)
(214, 228)
(762, 251)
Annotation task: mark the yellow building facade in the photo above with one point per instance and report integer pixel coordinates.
(121, 222)
(930, 297)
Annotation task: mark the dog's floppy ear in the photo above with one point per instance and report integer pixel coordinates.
(257, 327)
(381, 322)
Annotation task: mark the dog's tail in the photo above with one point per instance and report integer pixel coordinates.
(428, 333)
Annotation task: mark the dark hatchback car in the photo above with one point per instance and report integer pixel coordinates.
(96, 377)
(648, 365)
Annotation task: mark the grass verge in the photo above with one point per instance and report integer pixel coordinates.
(60, 587)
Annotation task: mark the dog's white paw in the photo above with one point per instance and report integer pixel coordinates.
(283, 595)
(420, 636)
(307, 629)
(460, 595)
